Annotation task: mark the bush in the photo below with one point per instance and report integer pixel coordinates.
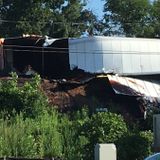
(73, 141)
(135, 146)
(16, 138)
(48, 135)
(58, 135)
(31, 138)
(26, 98)
(102, 128)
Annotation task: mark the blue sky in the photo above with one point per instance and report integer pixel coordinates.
(96, 6)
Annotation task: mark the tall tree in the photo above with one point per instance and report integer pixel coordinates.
(56, 18)
(94, 26)
(68, 19)
(19, 16)
(131, 17)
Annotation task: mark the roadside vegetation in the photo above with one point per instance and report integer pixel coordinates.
(31, 128)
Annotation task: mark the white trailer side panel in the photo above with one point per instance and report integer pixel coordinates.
(80, 55)
(154, 51)
(73, 58)
(107, 53)
(87, 54)
(96, 58)
(125, 56)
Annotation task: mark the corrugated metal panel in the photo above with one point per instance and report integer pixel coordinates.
(135, 87)
(125, 56)
(84, 54)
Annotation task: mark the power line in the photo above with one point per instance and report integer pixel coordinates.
(51, 22)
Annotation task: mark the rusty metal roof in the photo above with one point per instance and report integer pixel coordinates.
(135, 87)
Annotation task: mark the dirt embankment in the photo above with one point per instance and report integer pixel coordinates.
(79, 91)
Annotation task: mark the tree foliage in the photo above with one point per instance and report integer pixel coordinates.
(103, 128)
(69, 18)
(127, 144)
(58, 18)
(26, 98)
(131, 17)
(156, 17)
(95, 26)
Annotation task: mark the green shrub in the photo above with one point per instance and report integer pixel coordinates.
(135, 145)
(48, 135)
(73, 141)
(26, 98)
(39, 137)
(102, 128)
(16, 139)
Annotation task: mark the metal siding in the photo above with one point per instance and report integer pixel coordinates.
(145, 63)
(153, 45)
(98, 62)
(135, 87)
(132, 56)
(154, 50)
(117, 56)
(89, 63)
(106, 45)
(136, 64)
(127, 63)
(156, 65)
(117, 63)
(72, 55)
(107, 55)
(116, 46)
(98, 56)
(108, 62)
(81, 55)
(90, 56)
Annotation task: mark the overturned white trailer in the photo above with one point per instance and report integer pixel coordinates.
(124, 56)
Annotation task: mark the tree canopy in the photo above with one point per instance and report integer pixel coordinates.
(156, 18)
(57, 18)
(139, 18)
(131, 15)
(69, 18)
